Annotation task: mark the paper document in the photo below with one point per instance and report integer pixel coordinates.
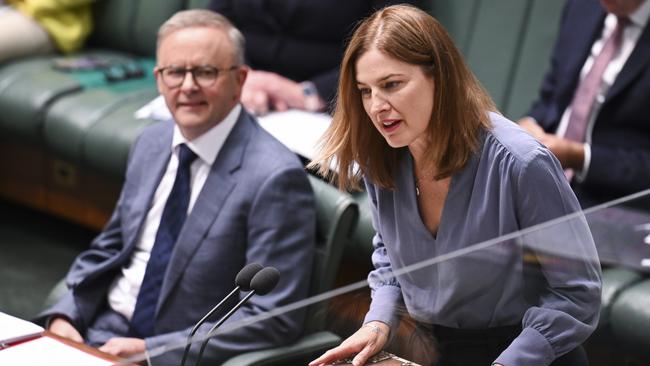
(14, 329)
(298, 130)
(46, 351)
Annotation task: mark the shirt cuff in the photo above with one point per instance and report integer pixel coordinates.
(384, 305)
(529, 348)
(582, 174)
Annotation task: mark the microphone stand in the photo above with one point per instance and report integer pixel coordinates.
(197, 325)
(225, 317)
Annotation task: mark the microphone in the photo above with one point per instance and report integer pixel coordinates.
(261, 284)
(242, 282)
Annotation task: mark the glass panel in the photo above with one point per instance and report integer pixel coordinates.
(543, 280)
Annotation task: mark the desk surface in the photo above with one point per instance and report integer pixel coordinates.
(53, 350)
(82, 347)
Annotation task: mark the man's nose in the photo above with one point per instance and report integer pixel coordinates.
(189, 83)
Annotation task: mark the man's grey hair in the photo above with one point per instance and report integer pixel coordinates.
(204, 18)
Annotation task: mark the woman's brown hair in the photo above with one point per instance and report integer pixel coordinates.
(408, 34)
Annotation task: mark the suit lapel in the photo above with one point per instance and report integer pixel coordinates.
(151, 168)
(637, 62)
(219, 184)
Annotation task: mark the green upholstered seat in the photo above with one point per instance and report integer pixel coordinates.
(107, 142)
(533, 58)
(125, 33)
(506, 43)
(630, 319)
(68, 121)
(361, 248)
(615, 282)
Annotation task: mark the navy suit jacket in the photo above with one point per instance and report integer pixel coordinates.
(256, 206)
(620, 147)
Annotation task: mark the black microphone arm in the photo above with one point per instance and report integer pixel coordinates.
(261, 284)
(243, 283)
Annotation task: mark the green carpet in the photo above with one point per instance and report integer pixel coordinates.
(36, 251)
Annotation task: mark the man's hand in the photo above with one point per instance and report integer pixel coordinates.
(529, 124)
(366, 342)
(264, 90)
(571, 154)
(61, 326)
(124, 347)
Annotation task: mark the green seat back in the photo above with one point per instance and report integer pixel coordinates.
(630, 319)
(506, 43)
(131, 25)
(336, 217)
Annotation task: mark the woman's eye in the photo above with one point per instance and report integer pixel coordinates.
(364, 92)
(391, 84)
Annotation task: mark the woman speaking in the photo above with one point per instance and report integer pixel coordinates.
(443, 171)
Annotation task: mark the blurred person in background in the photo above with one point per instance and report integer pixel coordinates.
(36, 27)
(592, 110)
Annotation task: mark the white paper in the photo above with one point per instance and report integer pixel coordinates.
(14, 329)
(46, 351)
(298, 130)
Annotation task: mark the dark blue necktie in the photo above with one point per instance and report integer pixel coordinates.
(171, 222)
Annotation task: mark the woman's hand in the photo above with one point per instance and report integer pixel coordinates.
(62, 327)
(366, 342)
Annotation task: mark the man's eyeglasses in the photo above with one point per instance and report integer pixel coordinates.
(203, 76)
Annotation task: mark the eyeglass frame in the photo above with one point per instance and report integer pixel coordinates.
(192, 71)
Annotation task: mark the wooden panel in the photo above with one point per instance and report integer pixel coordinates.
(22, 177)
(33, 178)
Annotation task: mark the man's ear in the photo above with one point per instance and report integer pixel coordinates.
(240, 75)
(156, 75)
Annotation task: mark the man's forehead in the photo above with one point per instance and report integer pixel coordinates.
(199, 35)
(209, 41)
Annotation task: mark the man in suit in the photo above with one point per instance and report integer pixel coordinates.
(204, 195)
(593, 107)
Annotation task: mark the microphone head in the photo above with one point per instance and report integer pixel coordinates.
(244, 277)
(265, 280)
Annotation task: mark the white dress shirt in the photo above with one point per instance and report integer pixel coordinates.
(631, 35)
(124, 290)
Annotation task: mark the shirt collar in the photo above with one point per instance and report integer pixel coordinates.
(208, 145)
(640, 16)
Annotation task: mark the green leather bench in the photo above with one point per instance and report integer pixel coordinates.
(74, 130)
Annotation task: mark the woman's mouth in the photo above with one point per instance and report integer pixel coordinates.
(390, 125)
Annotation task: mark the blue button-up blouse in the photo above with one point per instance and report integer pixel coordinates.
(475, 281)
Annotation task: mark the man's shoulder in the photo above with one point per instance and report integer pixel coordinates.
(263, 147)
